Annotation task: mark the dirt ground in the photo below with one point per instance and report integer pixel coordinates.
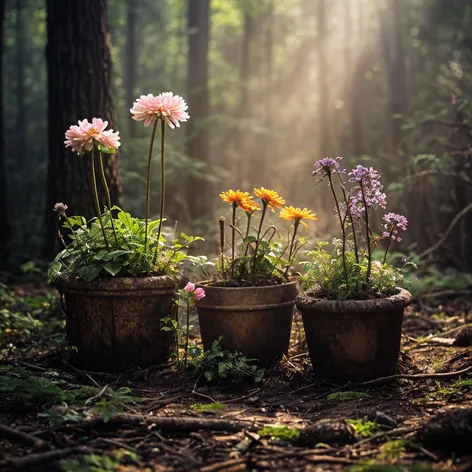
(420, 420)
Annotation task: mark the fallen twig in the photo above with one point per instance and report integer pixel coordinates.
(12, 433)
(22, 463)
(441, 375)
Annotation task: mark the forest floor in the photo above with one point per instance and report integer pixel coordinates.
(56, 417)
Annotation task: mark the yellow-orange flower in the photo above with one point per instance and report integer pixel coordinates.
(269, 197)
(232, 196)
(297, 214)
(248, 205)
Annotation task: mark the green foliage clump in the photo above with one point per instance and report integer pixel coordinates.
(96, 463)
(123, 248)
(218, 364)
(204, 407)
(324, 274)
(364, 428)
(347, 396)
(281, 433)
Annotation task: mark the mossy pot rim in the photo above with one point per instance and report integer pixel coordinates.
(204, 284)
(69, 281)
(308, 301)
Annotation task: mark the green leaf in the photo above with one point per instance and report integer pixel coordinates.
(113, 268)
(88, 273)
(126, 219)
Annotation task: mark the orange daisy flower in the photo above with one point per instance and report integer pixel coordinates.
(248, 205)
(232, 196)
(269, 197)
(297, 214)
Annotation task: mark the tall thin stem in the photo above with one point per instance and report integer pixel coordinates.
(233, 236)
(388, 244)
(367, 235)
(107, 192)
(222, 245)
(295, 228)
(97, 203)
(148, 183)
(163, 183)
(187, 334)
(264, 209)
(343, 229)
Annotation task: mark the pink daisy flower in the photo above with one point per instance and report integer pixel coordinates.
(167, 106)
(82, 137)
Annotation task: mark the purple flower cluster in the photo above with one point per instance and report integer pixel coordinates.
(369, 180)
(393, 223)
(60, 207)
(327, 166)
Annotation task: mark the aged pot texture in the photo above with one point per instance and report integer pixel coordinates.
(255, 321)
(115, 323)
(353, 339)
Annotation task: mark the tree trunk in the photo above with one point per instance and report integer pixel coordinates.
(322, 83)
(5, 231)
(79, 86)
(198, 139)
(131, 61)
(398, 86)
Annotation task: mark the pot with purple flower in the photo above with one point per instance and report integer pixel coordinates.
(351, 301)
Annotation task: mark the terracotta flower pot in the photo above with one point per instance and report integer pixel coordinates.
(255, 321)
(353, 340)
(115, 323)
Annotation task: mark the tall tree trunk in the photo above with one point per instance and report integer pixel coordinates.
(398, 86)
(198, 139)
(79, 86)
(5, 231)
(322, 82)
(131, 60)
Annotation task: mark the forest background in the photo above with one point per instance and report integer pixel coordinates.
(272, 86)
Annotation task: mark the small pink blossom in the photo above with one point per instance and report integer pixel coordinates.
(167, 106)
(199, 293)
(82, 137)
(190, 287)
(60, 207)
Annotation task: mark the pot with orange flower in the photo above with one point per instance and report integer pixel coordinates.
(117, 274)
(249, 301)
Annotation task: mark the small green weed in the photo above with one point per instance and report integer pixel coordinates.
(364, 428)
(95, 463)
(391, 451)
(281, 433)
(204, 407)
(347, 396)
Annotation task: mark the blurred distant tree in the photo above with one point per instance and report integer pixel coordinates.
(323, 130)
(79, 86)
(131, 60)
(198, 139)
(21, 116)
(4, 221)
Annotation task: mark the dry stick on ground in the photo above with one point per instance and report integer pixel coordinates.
(11, 433)
(442, 375)
(22, 463)
(166, 423)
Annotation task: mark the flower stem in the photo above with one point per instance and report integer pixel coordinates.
(187, 334)
(343, 229)
(233, 237)
(107, 191)
(264, 209)
(388, 244)
(222, 245)
(367, 235)
(295, 228)
(97, 203)
(148, 183)
(163, 183)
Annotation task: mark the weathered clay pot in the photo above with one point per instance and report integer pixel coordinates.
(255, 321)
(353, 340)
(115, 323)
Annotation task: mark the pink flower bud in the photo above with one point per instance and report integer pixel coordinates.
(199, 293)
(190, 287)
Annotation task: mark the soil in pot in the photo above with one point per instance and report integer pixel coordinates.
(114, 324)
(255, 321)
(354, 340)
